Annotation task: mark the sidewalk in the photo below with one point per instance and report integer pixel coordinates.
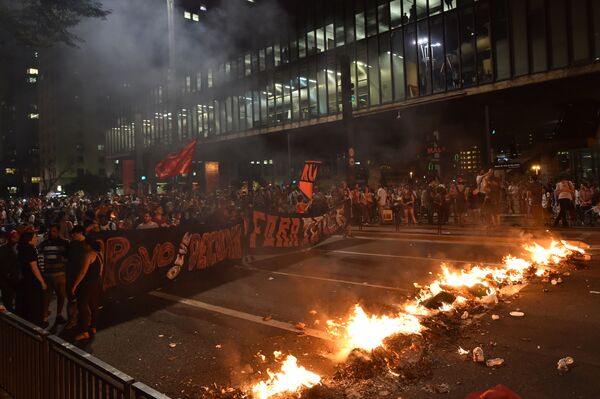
(504, 233)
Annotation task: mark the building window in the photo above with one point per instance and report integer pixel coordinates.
(195, 17)
(32, 71)
(100, 147)
(34, 116)
(360, 26)
(36, 179)
(31, 80)
(10, 171)
(187, 15)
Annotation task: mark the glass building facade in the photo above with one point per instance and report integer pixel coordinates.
(399, 50)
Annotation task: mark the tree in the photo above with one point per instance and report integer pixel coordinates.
(42, 23)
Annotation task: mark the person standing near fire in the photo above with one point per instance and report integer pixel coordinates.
(30, 294)
(88, 290)
(382, 197)
(565, 193)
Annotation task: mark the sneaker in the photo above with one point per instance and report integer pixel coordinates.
(84, 336)
(70, 325)
(60, 320)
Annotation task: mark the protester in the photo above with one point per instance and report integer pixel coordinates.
(75, 258)
(53, 259)
(10, 274)
(147, 222)
(88, 290)
(30, 293)
(407, 200)
(535, 195)
(565, 193)
(382, 198)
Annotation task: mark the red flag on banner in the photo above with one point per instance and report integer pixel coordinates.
(177, 163)
(309, 175)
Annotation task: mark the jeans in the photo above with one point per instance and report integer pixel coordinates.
(57, 283)
(566, 206)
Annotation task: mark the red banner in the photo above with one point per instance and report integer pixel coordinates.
(177, 163)
(309, 175)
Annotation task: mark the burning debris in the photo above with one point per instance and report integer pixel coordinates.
(383, 351)
(292, 378)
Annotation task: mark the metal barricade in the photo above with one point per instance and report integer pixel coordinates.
(142, 391)
(37, 365)
(75, 374)
(23, 358)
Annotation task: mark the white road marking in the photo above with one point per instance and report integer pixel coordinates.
(408, 257)
(457, 242)
(331, 280)
(241, 315)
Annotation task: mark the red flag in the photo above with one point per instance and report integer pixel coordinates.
(309, 175)
(177, 163)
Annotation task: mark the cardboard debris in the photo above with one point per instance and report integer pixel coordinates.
(564, 363)
(517, 314)
(478, 356)
(495, 317)
(496, 362)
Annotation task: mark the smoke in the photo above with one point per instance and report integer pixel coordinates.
(130, 47)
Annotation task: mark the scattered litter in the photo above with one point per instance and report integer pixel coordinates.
(172, 345)
(313, 312)
(218, 346)
(564, 363)
(161, 335)
(489, 300)
(595, 292)
(268, 318)
(277, 354)
(465, 315)
(495, 317)
(496, 362)
(554, 281)
(478, 356)
(517, 314)
(271, 278)
(462, 352)
(300, 326)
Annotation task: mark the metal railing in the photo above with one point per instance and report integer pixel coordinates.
(37, 365)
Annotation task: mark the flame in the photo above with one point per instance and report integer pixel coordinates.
(290, 379)
(368, 332)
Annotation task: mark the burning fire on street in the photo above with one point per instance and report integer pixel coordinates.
(370, 338)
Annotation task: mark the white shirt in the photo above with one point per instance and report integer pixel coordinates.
(381, 196)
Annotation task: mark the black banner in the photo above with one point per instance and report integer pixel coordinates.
(140, 260)
(269, 232)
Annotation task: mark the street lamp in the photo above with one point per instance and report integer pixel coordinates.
(536, 168)
(411, 175)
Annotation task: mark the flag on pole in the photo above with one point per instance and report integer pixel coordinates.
(309, 175)
(177, 163)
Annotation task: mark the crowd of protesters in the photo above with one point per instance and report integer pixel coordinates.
(480, 201)
(46, 250)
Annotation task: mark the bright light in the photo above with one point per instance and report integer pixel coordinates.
(536, 168)
(187, 15)
(32, 71)
(59, 188)
(144, 178)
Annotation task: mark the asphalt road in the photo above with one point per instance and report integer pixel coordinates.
(210, 328)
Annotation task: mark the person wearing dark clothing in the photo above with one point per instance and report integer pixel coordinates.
(535, 193)
(30, 293)
(53, 254)
(88, 289)
(75, 257)
(10, 274)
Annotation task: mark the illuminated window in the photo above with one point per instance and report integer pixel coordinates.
(100, 147)
(31, 80)
(12, 190)
(34, 116)
(10, 171)
(195, 17)
(187, 15)
(32, 71)
(36, 179)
